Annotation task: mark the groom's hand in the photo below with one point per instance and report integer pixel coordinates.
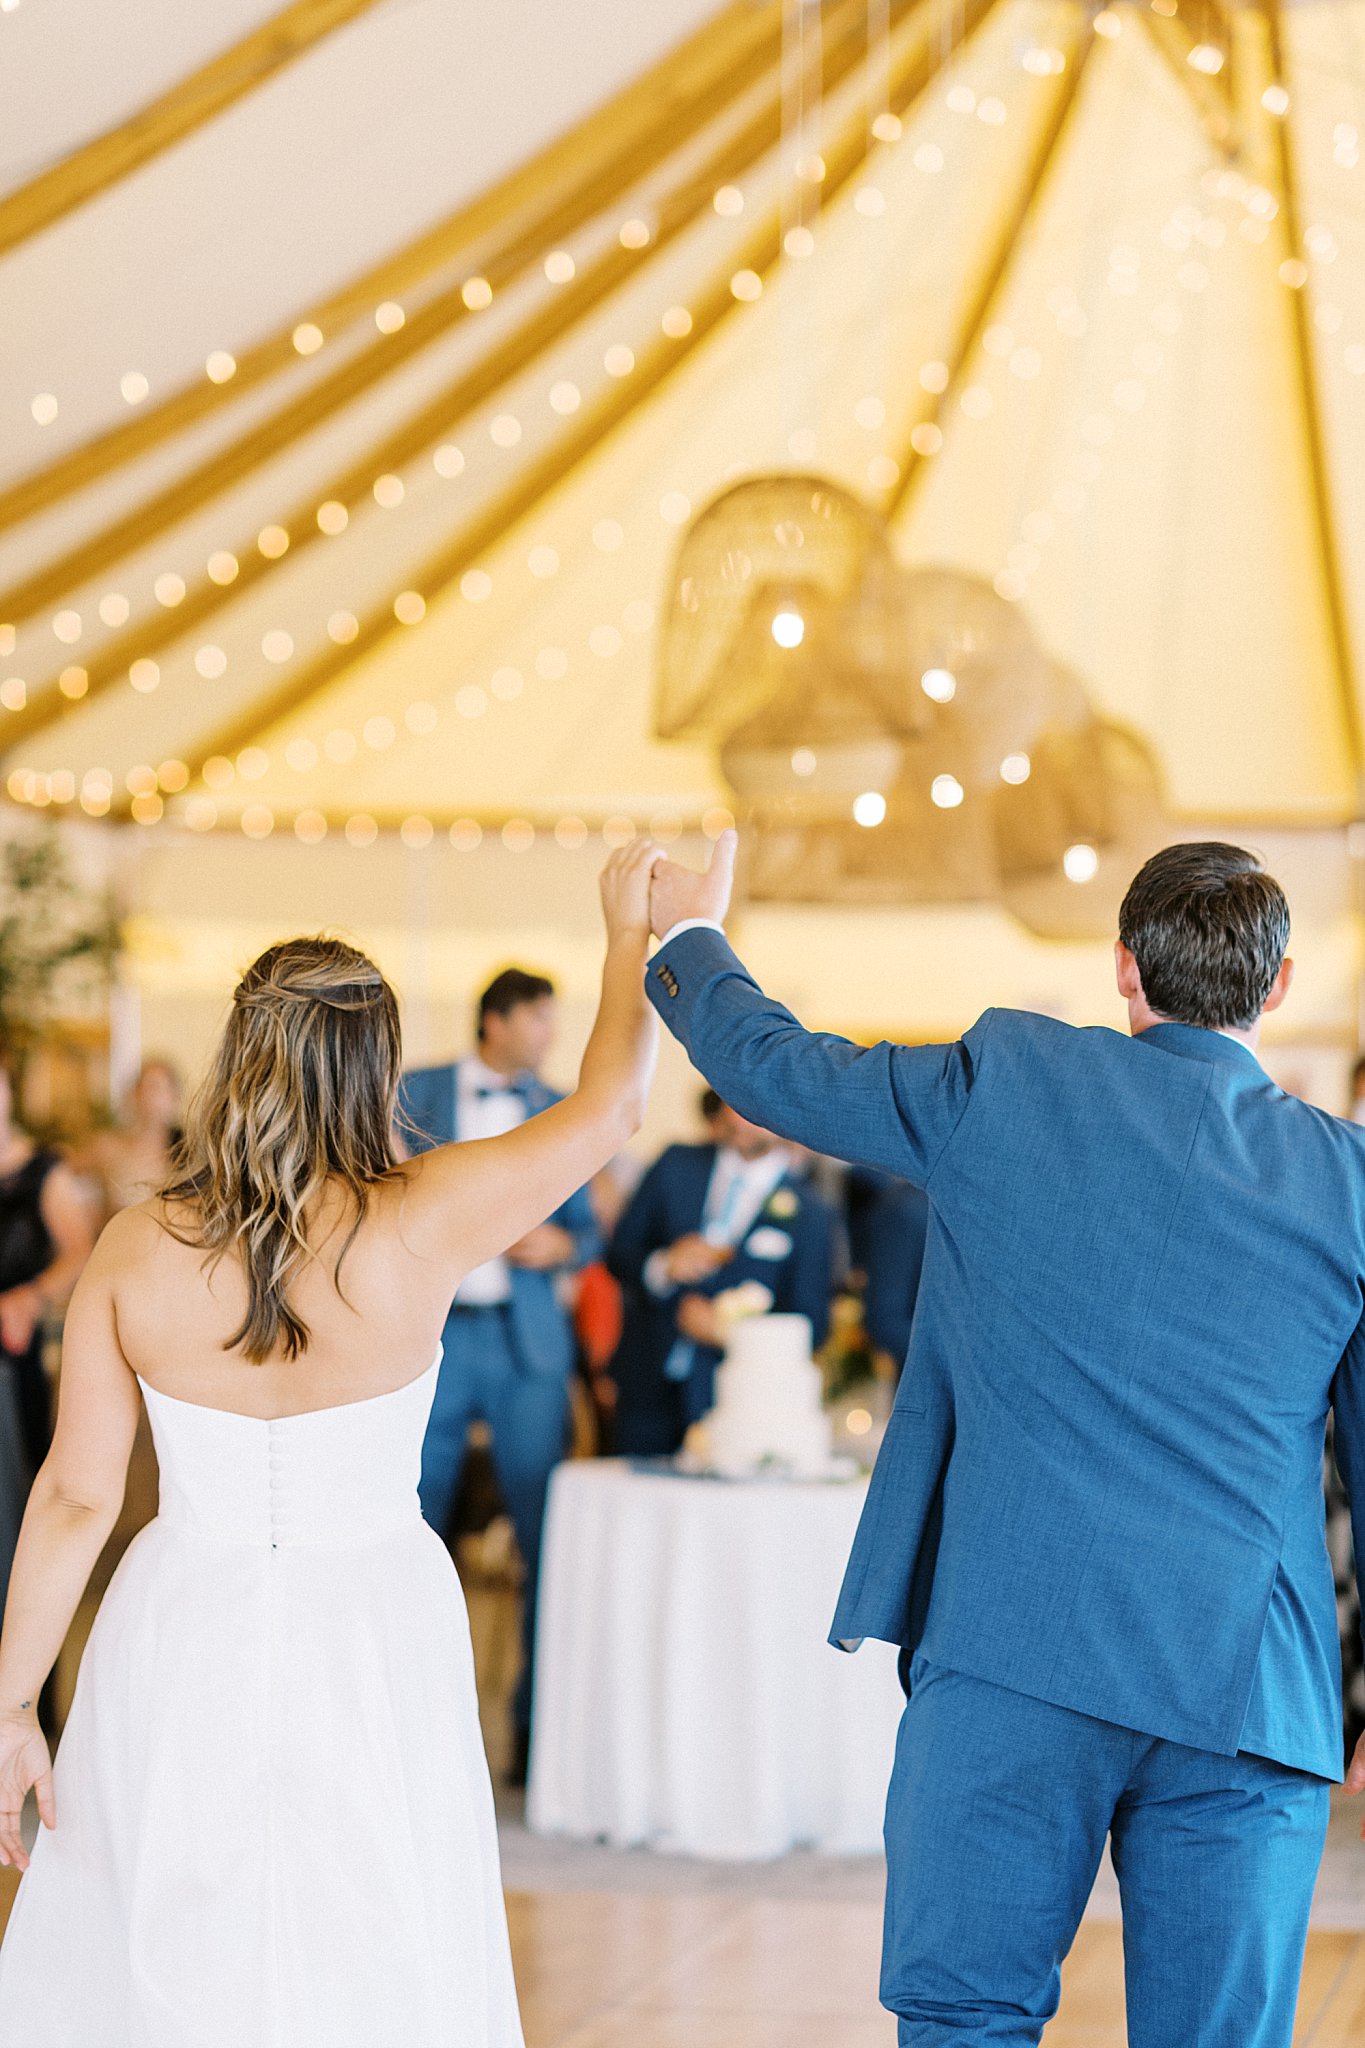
(677, 893)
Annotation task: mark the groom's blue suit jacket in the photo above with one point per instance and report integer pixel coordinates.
(1142, 1292)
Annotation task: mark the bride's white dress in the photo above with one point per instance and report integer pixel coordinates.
(274, 1818)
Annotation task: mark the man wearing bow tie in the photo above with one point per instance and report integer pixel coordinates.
(707, 1218)
(508, 1341)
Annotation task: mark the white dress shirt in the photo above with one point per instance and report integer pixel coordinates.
(486, 1106)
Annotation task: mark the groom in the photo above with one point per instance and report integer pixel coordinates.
(1096, 1525)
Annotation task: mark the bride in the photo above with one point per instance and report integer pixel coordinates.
(270, 1823)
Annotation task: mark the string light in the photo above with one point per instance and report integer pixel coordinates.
(44, 408)
(1015, 769)
(222, 567)
(389, 317)
(134, 387)
(272, 542)
(788, 628)
(940, 684)
(1080, 863)
(869, 809)
(220, 367)
(560, 266)
(947, 792)
(448, 460)
(307, 338)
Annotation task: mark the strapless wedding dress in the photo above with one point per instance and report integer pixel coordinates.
(274, 1818)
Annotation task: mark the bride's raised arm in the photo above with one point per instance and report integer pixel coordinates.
(468, 1202)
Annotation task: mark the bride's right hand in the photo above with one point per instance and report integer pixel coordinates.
(24, 1765)
(625, 889)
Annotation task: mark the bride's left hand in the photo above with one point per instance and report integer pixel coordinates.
(24, 1765)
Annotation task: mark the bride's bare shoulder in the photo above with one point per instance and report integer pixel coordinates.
(145, 1231)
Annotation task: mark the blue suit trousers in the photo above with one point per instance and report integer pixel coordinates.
(481, 1379)
(996, 1821)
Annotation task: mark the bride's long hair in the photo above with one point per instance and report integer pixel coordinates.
(302, 1093)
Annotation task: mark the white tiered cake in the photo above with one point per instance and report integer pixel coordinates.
(769, 1401)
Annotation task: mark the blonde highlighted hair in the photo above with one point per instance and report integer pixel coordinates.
(301, 1095)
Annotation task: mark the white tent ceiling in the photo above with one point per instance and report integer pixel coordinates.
(1151, 441)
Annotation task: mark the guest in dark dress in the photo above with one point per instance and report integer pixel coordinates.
(46, 1236)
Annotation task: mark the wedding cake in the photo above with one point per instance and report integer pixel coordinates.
(769, 1401)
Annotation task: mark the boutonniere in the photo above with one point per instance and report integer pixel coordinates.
(782, 1202)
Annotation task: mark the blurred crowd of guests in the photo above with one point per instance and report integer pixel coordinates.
(600, 1331)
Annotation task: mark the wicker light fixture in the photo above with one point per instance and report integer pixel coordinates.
(895, 736)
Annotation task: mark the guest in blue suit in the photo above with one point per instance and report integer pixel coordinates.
(509, 1345)
(705, 1218)
(1096, 1525)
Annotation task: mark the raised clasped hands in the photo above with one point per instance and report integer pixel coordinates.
(678, 893)
(643, 890)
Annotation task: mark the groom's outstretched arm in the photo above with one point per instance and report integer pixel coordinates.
(892, 1106)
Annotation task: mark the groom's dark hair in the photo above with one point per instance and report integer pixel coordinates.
(1208, 928)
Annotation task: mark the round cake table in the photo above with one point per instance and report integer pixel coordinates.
(686, 1697)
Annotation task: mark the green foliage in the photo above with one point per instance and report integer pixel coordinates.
(57, 943)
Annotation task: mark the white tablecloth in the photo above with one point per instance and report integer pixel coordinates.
(685, 1694)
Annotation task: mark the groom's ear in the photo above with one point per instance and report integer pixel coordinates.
(1126, 972)
(1280, 986)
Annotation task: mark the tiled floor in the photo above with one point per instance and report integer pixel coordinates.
(717, 1968)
